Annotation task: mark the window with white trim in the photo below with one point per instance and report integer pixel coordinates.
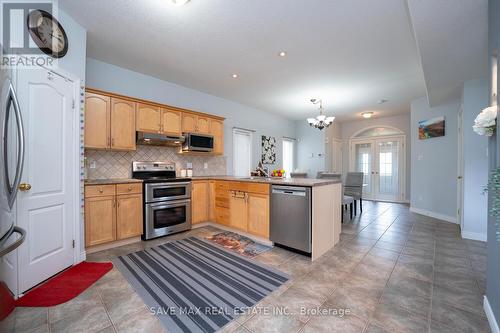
(242, 152)
(288, 155)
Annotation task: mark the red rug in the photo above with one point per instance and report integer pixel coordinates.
(66, 285)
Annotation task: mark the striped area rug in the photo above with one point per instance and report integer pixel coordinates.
(195, 286)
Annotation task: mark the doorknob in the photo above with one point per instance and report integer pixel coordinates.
(459, 177)
(24, 187)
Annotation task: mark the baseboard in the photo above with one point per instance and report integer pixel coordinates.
(446, 218)
(474, 236)
(490, 315)
(111, 245)
(83, 256)
(257, 239)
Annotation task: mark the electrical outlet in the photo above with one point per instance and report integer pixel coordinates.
(205, 165)
(92, 165)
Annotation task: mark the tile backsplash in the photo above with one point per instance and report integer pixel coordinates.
(118, 164)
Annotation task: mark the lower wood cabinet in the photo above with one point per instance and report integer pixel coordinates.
(258, 214)
(199, 201)
(112, 212)
(238, 216)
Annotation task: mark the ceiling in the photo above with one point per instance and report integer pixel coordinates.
(350, 53)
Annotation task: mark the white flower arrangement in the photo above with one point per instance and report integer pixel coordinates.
(486, 121)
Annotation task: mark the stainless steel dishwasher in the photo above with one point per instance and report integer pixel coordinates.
(291, 217)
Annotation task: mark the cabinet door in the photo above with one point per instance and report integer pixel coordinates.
(211, 201)
(188, 123)
(238, 211)
(199, 202)
(171, 122)
(128, 216)
(217, 130)
(97, 121)
(122, 124)
(258, 214)
(203, 125)
(100, 220)
(148, 118)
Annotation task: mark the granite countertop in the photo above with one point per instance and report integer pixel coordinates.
(111, 181)
(274, 181)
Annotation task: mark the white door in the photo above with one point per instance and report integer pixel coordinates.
(382, 163)
(336, 166)
(47, 210)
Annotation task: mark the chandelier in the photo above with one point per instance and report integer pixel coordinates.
(321, 121)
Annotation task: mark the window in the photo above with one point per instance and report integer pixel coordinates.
(242, 152)
(288, 147)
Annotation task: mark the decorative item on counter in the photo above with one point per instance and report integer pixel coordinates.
(278, 173)
(190, 172)
(485, 123)
(183, 173)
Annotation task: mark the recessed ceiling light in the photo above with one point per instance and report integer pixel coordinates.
(234, 76)
(367, 115)
(180, 2)
(381, 101)
(282, 54)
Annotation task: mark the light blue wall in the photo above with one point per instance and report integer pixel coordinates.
(75, 59)
(310, 148)
(434, 161)
(119, 80)
(475, 172)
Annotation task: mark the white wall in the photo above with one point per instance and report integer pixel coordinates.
(75, 59)
(401, 122)
(475, 151)
(434, 162)
(310, 148)
(119, 80)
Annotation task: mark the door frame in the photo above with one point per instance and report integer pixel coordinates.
(341, 156)
(403, 160)
(460, 168)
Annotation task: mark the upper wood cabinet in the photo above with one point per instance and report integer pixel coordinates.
(109, 122)
(122, 124)
(203, 125)
(217, 130)
(199, 201)
(171, 122)
(148, 118)
(188, 123)
(97, 121)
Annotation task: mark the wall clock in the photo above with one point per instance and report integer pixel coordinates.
(47, 33)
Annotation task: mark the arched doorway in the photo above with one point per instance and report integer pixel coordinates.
(379, 152)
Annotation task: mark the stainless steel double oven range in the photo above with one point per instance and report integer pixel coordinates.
(167, 199)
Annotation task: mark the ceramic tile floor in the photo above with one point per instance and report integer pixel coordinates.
(394, 271)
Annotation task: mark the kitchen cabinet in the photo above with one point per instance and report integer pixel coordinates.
(112, 212)
(199, 201)
(128, 213)
(149, 118)
(217, 130)
(171, 122)
(109, 122)
(211, 200)
(238, 210)
(192, 123)
(97, 121)
(100, 220)
(122, 124)
(258, 214)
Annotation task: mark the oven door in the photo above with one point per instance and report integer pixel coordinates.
(157, 192)
(165, 218)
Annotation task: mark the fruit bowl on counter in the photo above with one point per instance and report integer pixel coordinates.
(278, 173)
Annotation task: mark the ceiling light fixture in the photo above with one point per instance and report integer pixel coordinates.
(321, 121)
(282, 54)
(180, 2)
(234, 76)
(367, 115)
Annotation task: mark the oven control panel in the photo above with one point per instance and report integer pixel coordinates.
(153, 166)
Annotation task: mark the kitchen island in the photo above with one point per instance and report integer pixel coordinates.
(242, 204)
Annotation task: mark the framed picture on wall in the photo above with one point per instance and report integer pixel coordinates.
(268, 150)
(431, 128)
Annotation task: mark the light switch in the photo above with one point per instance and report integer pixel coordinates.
(205, 165)
(92, 165)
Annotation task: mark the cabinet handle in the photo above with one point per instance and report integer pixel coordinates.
(101, 190)
(114, 202)
(130, 188)
(109, 142)
(112, 141)
(118, 203)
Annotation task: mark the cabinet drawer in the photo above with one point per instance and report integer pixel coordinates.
(133, 188)
(222, 215)
(222, 202)
(99, 190)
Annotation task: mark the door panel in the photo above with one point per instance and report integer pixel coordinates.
(47, 211)
(148, 118)
(203, 125)
(128, 216)
(100, 220)
(171, 122)
(122, 124)
(199, 201)
(387, 174)
(258, 214)
(188, 123)
(97, 121)
(217, 130)
(238, 211)
(364, 163)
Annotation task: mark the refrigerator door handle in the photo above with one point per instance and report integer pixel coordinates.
(12, 189)
(16, 244)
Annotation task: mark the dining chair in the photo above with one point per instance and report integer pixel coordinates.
(353, 187)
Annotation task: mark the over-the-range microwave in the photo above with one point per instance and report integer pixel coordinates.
(198, 142)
